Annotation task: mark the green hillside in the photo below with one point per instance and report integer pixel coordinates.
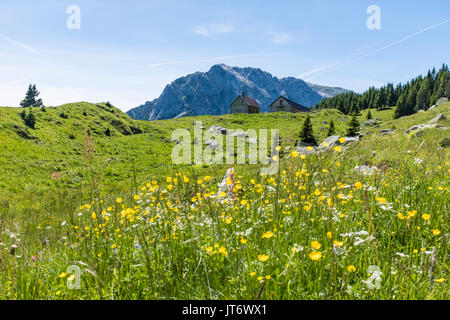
(68, 201)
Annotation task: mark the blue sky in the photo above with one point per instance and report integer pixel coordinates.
(127, 51)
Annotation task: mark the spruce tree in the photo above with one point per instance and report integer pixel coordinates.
(411, 100)
(307, 135)
(423, 96)
(399, 110)
(369, 115)
(30, 98)
(353, 128)
(331, 129)
(30, 120)
(447, 90)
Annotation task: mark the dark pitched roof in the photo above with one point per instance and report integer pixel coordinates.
(294, 104)
(249, 101)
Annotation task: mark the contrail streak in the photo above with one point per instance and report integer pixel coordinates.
(324, 69)
(19, 44)
(407, 38)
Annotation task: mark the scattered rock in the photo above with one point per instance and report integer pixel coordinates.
(213, 144)
(223, 186)
(423, 127)
(175, 140)
(350, 140)
(218, 129)
(371, 122)
(305, 151)
(331, 141)
(439, 117)
(387, 131)
(441, 101)
(239, 134)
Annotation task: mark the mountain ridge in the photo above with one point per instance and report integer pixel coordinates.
(211, 92)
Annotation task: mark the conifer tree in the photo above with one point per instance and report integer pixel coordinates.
(30, 120)
(447, 90)
(353, 128)
(331, 129)
(369, 115)
(307, 135)
(423, 96)
(401, 109)
(30, 98)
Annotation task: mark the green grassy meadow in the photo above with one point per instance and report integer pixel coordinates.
(92, 188)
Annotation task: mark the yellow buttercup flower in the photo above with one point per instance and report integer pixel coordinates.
(294, 154)
(316, 245)
(267, 235)
(426, 216)
(263, 257)
(338, 243)
(223, 251)
(342, 140)
(436, 232)
(351, 268)
(358, 185)
(315, 255)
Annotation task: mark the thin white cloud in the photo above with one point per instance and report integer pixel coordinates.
(327, 68)
(279, 37)
(316, 70)
(213, 29)
(222, 58)
(19, 44)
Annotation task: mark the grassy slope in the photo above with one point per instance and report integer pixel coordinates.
(31, 199)
(28, 164)
(53, 151)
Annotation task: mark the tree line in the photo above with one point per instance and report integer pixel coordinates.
(418, 94)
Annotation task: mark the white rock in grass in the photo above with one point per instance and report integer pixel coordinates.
(439, 117)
